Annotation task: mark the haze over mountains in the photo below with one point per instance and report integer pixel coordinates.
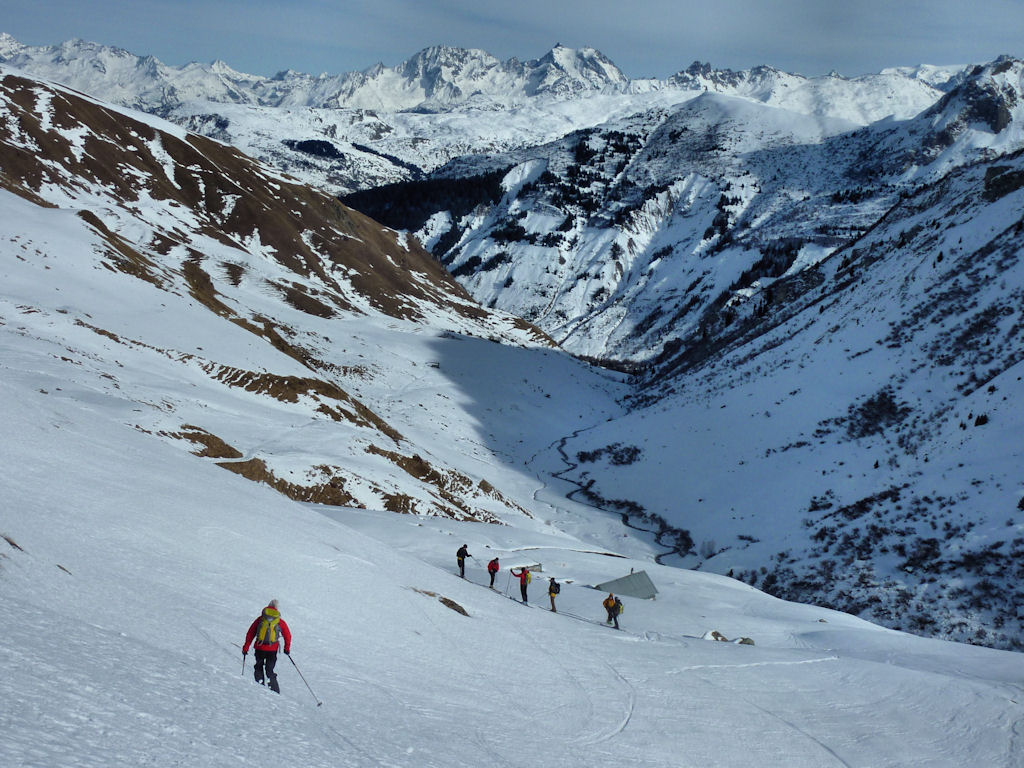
(816, 285)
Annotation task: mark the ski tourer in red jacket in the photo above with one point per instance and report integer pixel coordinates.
(267, 630)
(524, 579)
(277, 630)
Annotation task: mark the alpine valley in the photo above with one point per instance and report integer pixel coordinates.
(749, 323)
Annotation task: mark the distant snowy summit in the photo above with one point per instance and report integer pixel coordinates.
(435, 79)
(440, 77)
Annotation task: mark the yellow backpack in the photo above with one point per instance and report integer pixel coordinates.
(267, 633)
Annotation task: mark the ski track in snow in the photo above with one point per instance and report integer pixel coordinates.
(603, 732)
(630, 704)
(797, 729)
(697, 667)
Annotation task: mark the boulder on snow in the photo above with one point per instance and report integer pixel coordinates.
(714, 634)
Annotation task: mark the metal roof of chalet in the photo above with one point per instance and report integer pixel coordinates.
(636, 584)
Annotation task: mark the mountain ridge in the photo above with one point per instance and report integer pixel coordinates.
(438, 75)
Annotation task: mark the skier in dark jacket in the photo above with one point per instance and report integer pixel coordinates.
(616, 611)
(553, 589)
(524, 579)
(612, 609)
(267, 630)
(492, 569)
(461, 556)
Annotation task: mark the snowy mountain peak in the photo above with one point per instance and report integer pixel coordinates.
(443, 78)
(567, 70)
(701, 76)
(990, 96)
(8, 45)
(445, 74)
(221, 67)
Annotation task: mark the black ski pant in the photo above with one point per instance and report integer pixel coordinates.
(522, 589)
(462, 566)
(265, 661)
(493, 574)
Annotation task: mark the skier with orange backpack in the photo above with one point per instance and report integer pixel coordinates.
(613, 605)
(267, 631)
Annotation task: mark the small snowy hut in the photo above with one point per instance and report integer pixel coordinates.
(636, 584)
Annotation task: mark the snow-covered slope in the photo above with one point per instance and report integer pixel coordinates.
(137, 255)
(851, 435)
(131, 571)
(733, 247)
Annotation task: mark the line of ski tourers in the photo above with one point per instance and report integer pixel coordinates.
(268, 629)
(611, 604)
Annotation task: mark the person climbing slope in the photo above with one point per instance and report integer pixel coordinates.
(492, 569)
(524, 579)
(460, 557)
(609, 606)
(553, 589)
(267, 630)
(616, 611)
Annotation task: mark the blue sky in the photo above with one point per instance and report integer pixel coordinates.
(644, 37)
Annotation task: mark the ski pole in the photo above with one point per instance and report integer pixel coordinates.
(318, 702)
(243, 664)
(507, 582)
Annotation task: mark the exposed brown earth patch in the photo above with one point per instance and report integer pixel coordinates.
(445, 601)
(331, 491)
(202, 289)
(489, 490)
(400, 503)
(452, 487)
(211, 446)
(234, 272)
(339, 405)
(301, 298)
(234, 200)
(289, 389)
